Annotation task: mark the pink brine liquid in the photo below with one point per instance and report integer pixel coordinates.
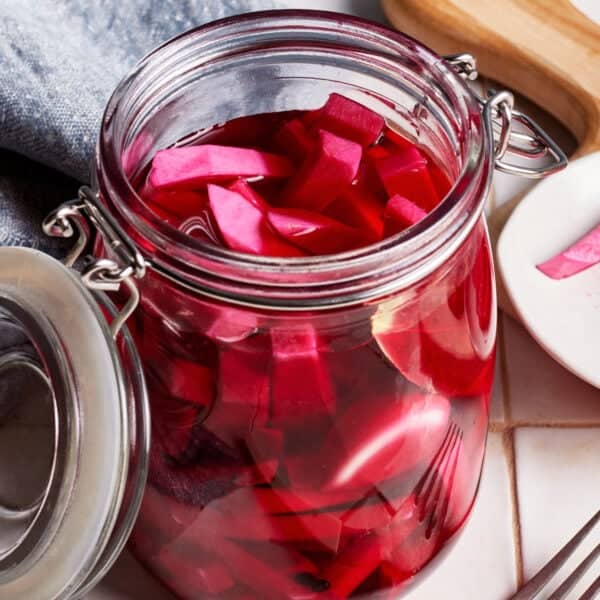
(309, 455)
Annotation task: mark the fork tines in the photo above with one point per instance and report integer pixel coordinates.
(534, 586)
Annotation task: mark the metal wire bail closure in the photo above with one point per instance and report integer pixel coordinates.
(515, 134)
(105, 274)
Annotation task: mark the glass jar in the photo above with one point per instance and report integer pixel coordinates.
(318, 424)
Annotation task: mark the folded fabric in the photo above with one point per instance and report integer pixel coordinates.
(59, 62)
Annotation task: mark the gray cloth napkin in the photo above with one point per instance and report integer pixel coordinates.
(59, 62)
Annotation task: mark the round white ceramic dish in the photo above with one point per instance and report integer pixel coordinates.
(562, 315)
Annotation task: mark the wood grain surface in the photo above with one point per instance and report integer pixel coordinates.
(546, 50)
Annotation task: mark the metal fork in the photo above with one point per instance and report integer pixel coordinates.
(433, 491)
(535, 585)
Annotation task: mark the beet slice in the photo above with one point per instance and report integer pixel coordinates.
(294, 140)
(301, 390)
(406, 174)
(161, 520)
(439, 346)
(173, 422)
(358, 208)
(582, 255)
(244, 227)
(200, 484)
(223, 323)
(332, 167)
(349, 120)
(400, 213)
(378, 440)
(316, 233)
(188, 578)
(181, 203)
(365, 516)
(283, 558)
(396, 141)
(321, 531)
(268, 582)
(354, 565)
(187, 381)
(242, 187)
(243, 394)
(247, 132)
(441, 182)
(187, 167)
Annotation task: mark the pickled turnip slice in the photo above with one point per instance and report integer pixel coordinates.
(294, 140)
(585, 253)
(331, 168)
(349, 120)
(181, 203)
(359, 208)
(244, 226)
(400, 213)
(405, 173)
(187, 167)
(316, 233)
(301, 390)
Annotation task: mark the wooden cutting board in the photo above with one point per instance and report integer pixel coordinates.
(546, 50)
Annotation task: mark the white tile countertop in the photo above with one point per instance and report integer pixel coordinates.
(540, 481)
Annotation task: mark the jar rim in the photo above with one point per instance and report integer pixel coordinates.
(114, 184)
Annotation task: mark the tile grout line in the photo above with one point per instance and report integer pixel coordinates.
(499, 426)
(508, 444)
(504, 370)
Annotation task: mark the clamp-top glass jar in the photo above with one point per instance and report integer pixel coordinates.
(318, 424)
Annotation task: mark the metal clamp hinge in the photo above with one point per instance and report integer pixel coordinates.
(513, 132)
(124, 263)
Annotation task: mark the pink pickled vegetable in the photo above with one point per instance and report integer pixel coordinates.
(268, 582)
(165, 215)
(175, 421)
(440, 180)
(224, 323)
(360, 209)
(294, 140)
(349, 120)
(192, 166)
(188, 381)
(181, 203)
(316, 233)
(353, 565)
(406, 174)
(396, 141)
(332, 167)
(243, 393)
(444, 350)
(245, 189)
(583, 254)
(400, 213)
(244, 227)
(300, 387)
(253, 524)
(247, 132)
(283, 501)
(378, 440)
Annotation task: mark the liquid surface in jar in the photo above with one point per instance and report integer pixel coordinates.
(309, 457)
(295, 184)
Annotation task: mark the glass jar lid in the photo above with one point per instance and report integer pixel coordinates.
(74, 428)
